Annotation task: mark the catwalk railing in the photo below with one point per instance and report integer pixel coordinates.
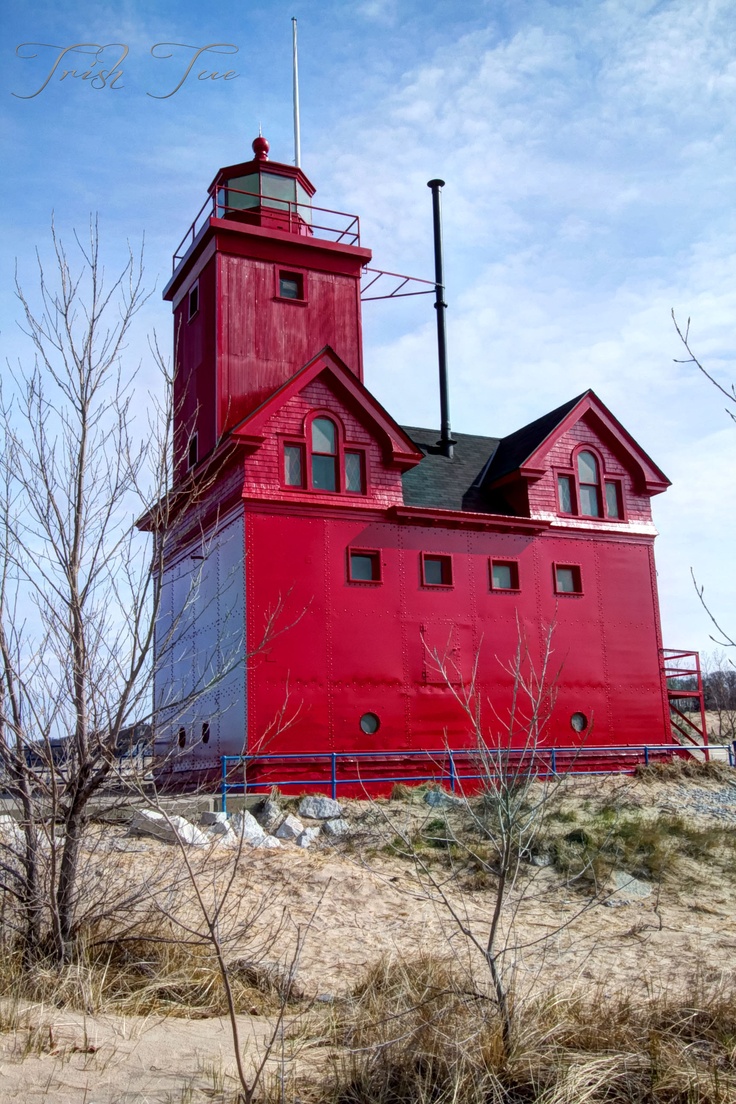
(455, 769)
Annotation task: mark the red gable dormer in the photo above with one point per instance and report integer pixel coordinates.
(322, 438)
(576, 466)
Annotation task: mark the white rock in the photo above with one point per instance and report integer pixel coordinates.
(307, 837)
(227, 839)
(289, 829)
(626, 889)
(268, 843)
(336, 828)
(246, 826)
(319, 808)
(220, 828)
(150, 822)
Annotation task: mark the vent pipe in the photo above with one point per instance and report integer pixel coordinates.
(445, 442)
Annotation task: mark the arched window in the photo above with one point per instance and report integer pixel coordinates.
(584, 490)
(324, 454)
(323, 461)
(589, 482)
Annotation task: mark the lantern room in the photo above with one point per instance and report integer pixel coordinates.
(264, 193)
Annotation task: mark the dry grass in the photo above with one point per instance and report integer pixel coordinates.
(153, 972)
(415, 1032)
(687, 769)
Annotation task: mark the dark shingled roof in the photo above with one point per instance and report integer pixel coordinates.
(457, 484)
(438, 481)
(513, 450)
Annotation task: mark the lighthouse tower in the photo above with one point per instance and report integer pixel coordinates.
(265, 281)
(331, 579)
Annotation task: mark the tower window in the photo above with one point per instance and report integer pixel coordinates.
(504, 575)
(291, 285)
(436, 571)
(193, 301)
(363, 566)
(192, 454)
(324, 455)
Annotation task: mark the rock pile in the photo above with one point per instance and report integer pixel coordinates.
(267, 827)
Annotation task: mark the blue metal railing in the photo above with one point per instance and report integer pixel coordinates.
(445, 766)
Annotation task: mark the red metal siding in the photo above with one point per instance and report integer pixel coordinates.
(195, 380)
(361, 647)
(265, 340)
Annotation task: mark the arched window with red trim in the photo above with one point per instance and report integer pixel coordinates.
(324, 453)
(585, 490)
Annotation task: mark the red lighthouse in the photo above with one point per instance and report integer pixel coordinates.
(329, 554)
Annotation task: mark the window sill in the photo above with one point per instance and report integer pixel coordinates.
(288, 299)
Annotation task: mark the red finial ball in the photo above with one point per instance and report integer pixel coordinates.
(261, 148)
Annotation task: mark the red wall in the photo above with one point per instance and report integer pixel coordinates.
(195, 377)
(359, 647)
(265, 340)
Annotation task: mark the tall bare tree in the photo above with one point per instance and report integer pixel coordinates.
(78, 583)
(726, 639)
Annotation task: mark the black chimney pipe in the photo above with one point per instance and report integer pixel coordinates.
(445, 442)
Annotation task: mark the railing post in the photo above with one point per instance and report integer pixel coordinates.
(333, 764)
(646, 756)
(452, 772)
(223, 787)
(553, 761)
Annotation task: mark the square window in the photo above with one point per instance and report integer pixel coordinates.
(437, 571)
(291, 285)
(613, 500)
(568, 579)
(504, 575)
(354, 479)
(193, 302)
(293, 466)
(364, 567)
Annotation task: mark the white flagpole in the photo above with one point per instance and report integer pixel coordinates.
(297, 137)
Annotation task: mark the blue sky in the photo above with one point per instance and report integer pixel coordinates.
(588, 150)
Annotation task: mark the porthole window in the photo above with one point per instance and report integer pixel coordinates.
(370, 723)
(578, 722)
